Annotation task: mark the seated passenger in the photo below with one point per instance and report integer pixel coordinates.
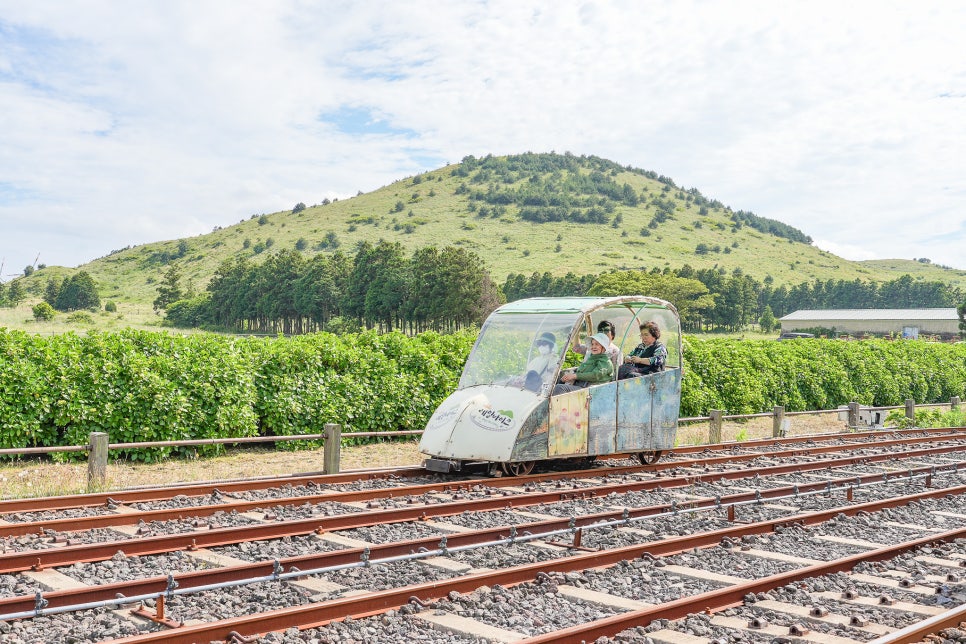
(596, 368)
(542, 365)
(649, 356)
(613, 351)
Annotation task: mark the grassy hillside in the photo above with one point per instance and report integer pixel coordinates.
(444, 207)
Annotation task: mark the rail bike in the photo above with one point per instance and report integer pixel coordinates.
(505, 411)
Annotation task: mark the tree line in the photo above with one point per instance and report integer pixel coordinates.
(440, 289)
(449, 289)
(712, 299)
(75, 293)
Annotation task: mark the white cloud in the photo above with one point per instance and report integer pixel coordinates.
(127, 123)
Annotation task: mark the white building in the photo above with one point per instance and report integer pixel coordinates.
(909, 323)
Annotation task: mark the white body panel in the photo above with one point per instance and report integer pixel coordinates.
(478, 423)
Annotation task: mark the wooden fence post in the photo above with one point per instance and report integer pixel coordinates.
(911, 409)
(777, 422)
(853, 415)
(716, 421)
(97, 461)
(331, 448)
(954, 403)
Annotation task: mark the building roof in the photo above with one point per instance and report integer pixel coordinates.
(871, 314)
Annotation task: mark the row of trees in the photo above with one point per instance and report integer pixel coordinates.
(713, 299)
(438, 289)
(449, 288)
(75, 293)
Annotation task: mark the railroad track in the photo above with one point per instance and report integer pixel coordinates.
(617, 550)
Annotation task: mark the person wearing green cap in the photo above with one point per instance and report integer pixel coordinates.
(596, 368)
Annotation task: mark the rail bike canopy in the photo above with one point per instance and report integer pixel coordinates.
(504, 409)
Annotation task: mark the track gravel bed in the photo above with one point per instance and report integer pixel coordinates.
(385, 576)
(37, 542)
(643, 580)
(235, 602)
(531, 609)
(505, 556)
(401, 626)
(277, 548)
(51, 515)
(483, 520)
(86, 626)
(181, 501)
(122, 568)
(391, 532)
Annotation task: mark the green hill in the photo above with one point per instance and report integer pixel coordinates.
(522, 213)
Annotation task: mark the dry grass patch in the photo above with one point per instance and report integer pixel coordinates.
(758, 428)
(29, 478)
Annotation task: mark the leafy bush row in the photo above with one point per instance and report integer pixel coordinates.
(752, 376)
(149, 386)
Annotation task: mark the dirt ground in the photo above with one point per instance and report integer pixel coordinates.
(41, 477)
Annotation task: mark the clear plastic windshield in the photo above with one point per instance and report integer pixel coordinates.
(519, 349)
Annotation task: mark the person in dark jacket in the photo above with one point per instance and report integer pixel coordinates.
(649, 356)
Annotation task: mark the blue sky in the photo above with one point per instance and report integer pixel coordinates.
(124, 123)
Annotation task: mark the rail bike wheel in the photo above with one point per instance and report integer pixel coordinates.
(518, 469)
(649, 458)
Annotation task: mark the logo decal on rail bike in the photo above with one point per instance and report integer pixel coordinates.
(444, 417)
(492, 419)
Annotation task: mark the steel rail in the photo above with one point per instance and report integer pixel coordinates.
(200, 511)
(321, 613)
(722, 598)
(537, 529)
(43, 558)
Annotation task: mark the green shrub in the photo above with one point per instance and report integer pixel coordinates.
(80, 317)
(44, 312)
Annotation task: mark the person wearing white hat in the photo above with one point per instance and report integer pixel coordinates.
(596, 368)
(613, 351)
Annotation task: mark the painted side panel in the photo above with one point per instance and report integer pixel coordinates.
(647, 411)
(532, 441)
(602, 429)
(568, 424)
(634, 414)
(667, 406)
